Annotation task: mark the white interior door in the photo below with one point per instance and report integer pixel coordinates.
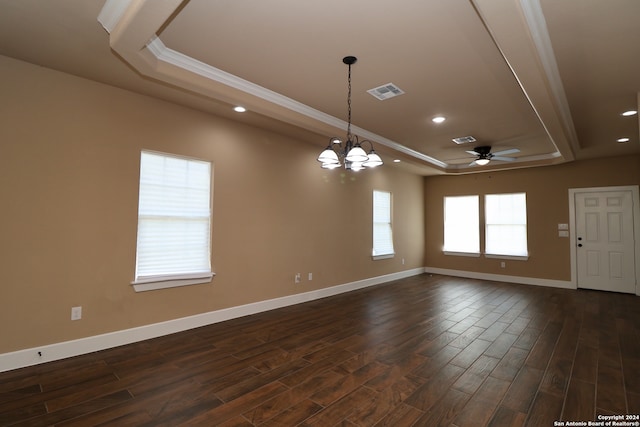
(605, 246)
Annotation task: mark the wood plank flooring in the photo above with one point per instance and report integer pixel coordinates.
(422, 351)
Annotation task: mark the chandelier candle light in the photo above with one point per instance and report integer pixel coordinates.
(351, 154)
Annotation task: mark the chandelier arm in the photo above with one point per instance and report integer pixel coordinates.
(337, 147)
(366, 140)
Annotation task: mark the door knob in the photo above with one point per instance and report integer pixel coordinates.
(579, 245)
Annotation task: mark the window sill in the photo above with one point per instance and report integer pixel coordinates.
(468, 254)
(513, 257)
(163, 282)
(385, 256)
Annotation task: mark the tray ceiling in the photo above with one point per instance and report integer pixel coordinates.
(547, 78)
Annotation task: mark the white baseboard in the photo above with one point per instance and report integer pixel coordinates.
(62, 350)
(564, 284)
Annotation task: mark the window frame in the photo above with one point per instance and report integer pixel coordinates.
(389, 224)
(162, 281)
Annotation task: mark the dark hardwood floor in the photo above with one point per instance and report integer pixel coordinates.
(422, 351)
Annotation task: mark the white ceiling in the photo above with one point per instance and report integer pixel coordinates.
(549, 78)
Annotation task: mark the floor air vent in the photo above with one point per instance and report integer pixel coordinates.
(386, 91)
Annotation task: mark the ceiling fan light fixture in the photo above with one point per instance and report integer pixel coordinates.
(484, 155)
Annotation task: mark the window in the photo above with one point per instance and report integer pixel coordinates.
(382, 232)
(506, 224)
(174, 222)
(461, 225)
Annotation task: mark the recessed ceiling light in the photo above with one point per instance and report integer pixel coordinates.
(438, 119)
(239, 109)
(630, 113)
(396, 161)
(621, 140)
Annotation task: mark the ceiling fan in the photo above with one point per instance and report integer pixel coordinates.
(484, 155)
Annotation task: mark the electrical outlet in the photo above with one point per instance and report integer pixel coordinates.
(310, 276)
(76, 313)
(297, 278)
(503, 264)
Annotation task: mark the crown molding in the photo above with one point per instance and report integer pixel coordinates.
(112, 12)
(534, 17)
(162, 53)
(156, 52)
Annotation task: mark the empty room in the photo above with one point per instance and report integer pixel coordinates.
(361, 213)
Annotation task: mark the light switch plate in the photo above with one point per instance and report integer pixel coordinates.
(563, 226)
(76, 313)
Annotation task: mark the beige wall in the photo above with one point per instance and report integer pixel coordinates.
(547, 191)
(69, 160)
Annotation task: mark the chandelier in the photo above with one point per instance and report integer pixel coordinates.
(351, 154)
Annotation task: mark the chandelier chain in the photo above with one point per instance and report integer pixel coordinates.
(349, 106)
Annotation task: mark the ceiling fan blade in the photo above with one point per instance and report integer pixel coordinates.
(503, 159)
(473, 153)
(505, 152)
(473, 163)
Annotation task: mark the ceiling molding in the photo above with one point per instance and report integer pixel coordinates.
(111, 13)
(537, 24)
(156, 60)
(185, 62)
(170, 56)
(541, 105)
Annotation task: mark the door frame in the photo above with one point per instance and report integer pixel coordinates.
(635, 196)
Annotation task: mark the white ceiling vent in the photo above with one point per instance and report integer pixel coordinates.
(464, 140)
(386, 91)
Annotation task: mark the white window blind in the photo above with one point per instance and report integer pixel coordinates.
(174, 219)
(506, 224)
(461, 224)
(382, 231)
